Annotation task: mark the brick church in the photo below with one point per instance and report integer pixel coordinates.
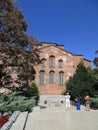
(57, 65)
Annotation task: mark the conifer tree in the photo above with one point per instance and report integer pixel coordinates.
(18, 51)
(81, 83)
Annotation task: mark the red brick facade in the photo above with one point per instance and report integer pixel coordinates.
(68, 66)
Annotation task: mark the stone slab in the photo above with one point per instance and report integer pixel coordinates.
(20, 121)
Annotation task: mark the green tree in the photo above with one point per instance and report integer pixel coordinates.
(17, 49)
(80, 84)
(95, 85)
(95, 61)
(94, 99)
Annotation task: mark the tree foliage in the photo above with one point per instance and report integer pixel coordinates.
(17, 49)
(32, 91)
(95, 61)
(95, 85)
(82, 83)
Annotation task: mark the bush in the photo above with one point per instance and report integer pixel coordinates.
(32, 91)
(15, 101)
(94, 103)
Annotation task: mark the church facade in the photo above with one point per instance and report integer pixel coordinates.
(56, 66)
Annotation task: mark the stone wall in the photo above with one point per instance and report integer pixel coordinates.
(52, 100)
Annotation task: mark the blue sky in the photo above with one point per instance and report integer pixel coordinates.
(73, 23)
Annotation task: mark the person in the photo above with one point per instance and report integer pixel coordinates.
(77, 100)
(87, 102)
(67, 100)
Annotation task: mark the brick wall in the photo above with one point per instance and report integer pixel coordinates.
(70, 62)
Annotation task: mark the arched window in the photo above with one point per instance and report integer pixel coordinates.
(43, 62)
(42, 77)
(60, 63)
(61, 78)
(52, 58)
(51, 77)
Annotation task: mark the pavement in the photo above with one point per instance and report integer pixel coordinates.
(57, 118)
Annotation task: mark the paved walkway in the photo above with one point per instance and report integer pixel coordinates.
(57, 118)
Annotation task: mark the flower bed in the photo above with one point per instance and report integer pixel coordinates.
(7, 121)
(3, 120)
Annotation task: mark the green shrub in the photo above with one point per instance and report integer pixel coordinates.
(15, 101)
(94, 103)
(32, 91)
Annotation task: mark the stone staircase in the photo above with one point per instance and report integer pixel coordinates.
(57, 118)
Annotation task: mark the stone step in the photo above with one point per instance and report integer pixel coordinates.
(20, 122)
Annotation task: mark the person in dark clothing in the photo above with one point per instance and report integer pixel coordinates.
(77, 100)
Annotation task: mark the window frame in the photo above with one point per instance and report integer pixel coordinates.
(42, 77)
(60, 63)
(51, 77)
(61, 78)
(51, 61)
(43, 62)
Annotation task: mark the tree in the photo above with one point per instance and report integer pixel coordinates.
(94, 99)
(95, 61)
(18, 51)
(95, 85)
(80, 84)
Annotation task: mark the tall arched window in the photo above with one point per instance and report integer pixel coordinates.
(43, 62)
(42, 77)
(60, 63)
(52, 58)
(61, 78)
(51, 77)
